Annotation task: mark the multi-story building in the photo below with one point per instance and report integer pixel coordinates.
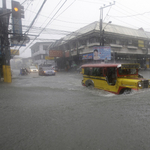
(40, 53)
(127, 44)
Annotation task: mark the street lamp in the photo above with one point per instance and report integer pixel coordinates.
(101, 19)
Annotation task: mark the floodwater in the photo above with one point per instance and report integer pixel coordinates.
(58, 113)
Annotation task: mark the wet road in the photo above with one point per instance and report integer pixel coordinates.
(57, 113)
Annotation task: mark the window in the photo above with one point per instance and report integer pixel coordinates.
(82, 42)
(87, 71)
(93, 40)
(97, 72)
(117, 41)
(135, 42)
(45, 47)
(129, 42)
(127, 71)
(94, 71)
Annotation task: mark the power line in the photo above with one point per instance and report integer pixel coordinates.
(66, 9)
(107, 13)
(130, 15)
(96, 2)
(36, 16)
(52, 12)
(46, 25)
(126, 11)
(58, 19)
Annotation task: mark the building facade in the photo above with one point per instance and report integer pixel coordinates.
(40, 53)
(127, 45)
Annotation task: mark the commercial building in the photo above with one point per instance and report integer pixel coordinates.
(40, 53)
(126, 45)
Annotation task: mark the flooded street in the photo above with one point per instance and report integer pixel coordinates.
(58, 113)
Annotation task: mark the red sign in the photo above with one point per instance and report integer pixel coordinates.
(67, 54)
(55, 53)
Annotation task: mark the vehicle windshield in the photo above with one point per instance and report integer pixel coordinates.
(46, 68)
(127, 71)
(33, 67)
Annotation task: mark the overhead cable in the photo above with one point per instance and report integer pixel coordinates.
(45, 26)
(130, 15)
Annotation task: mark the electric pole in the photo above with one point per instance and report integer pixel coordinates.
(5, 48)
(101, 21)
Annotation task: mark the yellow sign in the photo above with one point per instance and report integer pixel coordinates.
(14, 52)
(49, 58)
(140, 43)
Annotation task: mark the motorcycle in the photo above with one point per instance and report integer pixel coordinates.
(23, 71)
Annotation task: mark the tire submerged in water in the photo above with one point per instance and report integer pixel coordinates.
(125, 91)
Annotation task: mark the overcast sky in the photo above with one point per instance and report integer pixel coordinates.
(60, 17)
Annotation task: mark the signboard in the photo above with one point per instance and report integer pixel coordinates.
(14, 52)
(141, 43)
(102, 53)
(87, 56)
(56, 53)
(49, 58)
(67, 54)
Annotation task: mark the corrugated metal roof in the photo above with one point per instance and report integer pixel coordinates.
(109, 28)
(81, 31)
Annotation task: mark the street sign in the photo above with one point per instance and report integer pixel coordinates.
(14, 52)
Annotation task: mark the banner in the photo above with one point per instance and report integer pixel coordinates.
(56, 53)
(87, 56)
(67, 54)
(141, 43)
(49, 58)
(102, 53)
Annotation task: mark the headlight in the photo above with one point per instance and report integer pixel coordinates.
(140, 84)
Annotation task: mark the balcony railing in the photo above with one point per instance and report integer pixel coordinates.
(93, 44)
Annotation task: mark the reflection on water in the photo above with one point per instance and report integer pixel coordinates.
(67, 81)
(57, 112)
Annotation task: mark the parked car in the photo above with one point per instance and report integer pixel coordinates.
(33, 69)
(46, 71)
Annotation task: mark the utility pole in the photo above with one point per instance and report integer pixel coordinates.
(101, 21)
(5, 49)
(5, 46)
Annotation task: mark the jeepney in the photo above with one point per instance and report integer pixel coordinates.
(115, 78)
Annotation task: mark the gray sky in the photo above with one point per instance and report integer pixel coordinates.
(70, 15)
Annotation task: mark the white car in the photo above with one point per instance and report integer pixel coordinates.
(33, 69)
(46, 71)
